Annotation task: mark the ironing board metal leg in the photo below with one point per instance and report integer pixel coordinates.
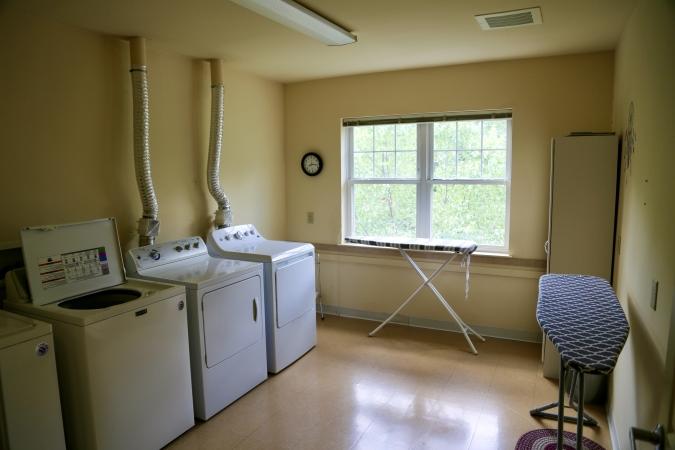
(414, 293)
(427, 281)
(464, 327)
(580, 412)
(561, 404)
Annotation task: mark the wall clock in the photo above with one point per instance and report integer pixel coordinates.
(311, 163)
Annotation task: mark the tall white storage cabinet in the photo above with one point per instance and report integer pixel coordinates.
(582, 211)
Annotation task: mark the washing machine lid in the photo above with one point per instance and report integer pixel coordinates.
(199, 272)
(15, 329)
(64, 261)
(262, 250)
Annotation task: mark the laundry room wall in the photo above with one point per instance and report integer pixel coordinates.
(640, 392)
(66, 134)
(548, 96)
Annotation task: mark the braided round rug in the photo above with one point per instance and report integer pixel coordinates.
(547, 439)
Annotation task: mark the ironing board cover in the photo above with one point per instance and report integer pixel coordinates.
(583, 318)
(436, 245)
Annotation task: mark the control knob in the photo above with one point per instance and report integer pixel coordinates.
(238, 235)
(178, 248)
(154, 255)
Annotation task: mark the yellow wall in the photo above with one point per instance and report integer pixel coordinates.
(549, 97)
(66, 135)
(645, 74)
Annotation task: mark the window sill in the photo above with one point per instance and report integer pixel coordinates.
(488, 258)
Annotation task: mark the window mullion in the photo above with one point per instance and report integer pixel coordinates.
(349, 208)
(424, 177)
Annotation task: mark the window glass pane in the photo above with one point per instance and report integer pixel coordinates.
(494, 134)
(445, 135)
(384, 137)
(363, 165)
(406, 164)
(468, 134)
(406, 136)
(469, 211)
(468, 164)
(444, 164)
(494, 164)
(384, 165)
(385, 210)
(363, 139)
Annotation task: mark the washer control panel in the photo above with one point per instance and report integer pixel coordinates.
(234, 237)
(156, 255)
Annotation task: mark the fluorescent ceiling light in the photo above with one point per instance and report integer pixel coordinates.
(296, 16)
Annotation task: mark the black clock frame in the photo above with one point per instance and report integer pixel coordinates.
(302, 165)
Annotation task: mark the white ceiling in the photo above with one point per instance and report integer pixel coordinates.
(392, 34)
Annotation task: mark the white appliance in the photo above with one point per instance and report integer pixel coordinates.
(581, 221)
(29, 388)
(121, 345)
(289, 289)
(225, 317)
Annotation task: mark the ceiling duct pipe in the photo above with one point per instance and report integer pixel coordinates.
(148, 224)
(223, 217)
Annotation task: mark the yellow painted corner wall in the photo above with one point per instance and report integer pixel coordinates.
(66, 135)
(549, 97)
(645, 74)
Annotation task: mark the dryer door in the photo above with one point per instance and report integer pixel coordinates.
(233, 319)
(295, 289)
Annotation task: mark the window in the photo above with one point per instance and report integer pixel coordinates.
(439, 177)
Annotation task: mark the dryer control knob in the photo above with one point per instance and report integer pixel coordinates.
(238, 235)
(41, 349)
(154, 254)
(178, 248)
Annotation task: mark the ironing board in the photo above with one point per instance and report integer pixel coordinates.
(581, 315)
(452, 247)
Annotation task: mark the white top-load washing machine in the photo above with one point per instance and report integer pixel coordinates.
(121, 345)
(225, 317)
(290, 295)
(30, 414)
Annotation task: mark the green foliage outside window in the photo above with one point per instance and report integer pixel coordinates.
(463, 153)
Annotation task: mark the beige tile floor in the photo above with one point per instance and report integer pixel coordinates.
(407, 388)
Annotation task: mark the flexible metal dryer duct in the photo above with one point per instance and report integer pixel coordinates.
(223, 216)
(148, 224)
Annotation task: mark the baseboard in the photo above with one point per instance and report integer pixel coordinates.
(501, 333)
(613, 437)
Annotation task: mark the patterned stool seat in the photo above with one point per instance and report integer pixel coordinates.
(581, 315)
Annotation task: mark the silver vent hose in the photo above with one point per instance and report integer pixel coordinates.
(148, 224)
(223, 217)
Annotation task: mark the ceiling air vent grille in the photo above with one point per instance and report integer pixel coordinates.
(509, 19)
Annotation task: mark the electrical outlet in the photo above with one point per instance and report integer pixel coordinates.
(310, 217)
(655, 294)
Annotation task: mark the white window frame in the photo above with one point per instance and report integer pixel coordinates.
(424, 180)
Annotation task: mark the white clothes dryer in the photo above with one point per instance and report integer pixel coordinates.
(121, 345)
(290, 295)
(225, 317)
(30, 414)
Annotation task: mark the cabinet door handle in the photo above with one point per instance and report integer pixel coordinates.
(255, 310)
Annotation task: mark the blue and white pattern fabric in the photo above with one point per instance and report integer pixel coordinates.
(581, 315)
(465, 248)
(434, 245)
